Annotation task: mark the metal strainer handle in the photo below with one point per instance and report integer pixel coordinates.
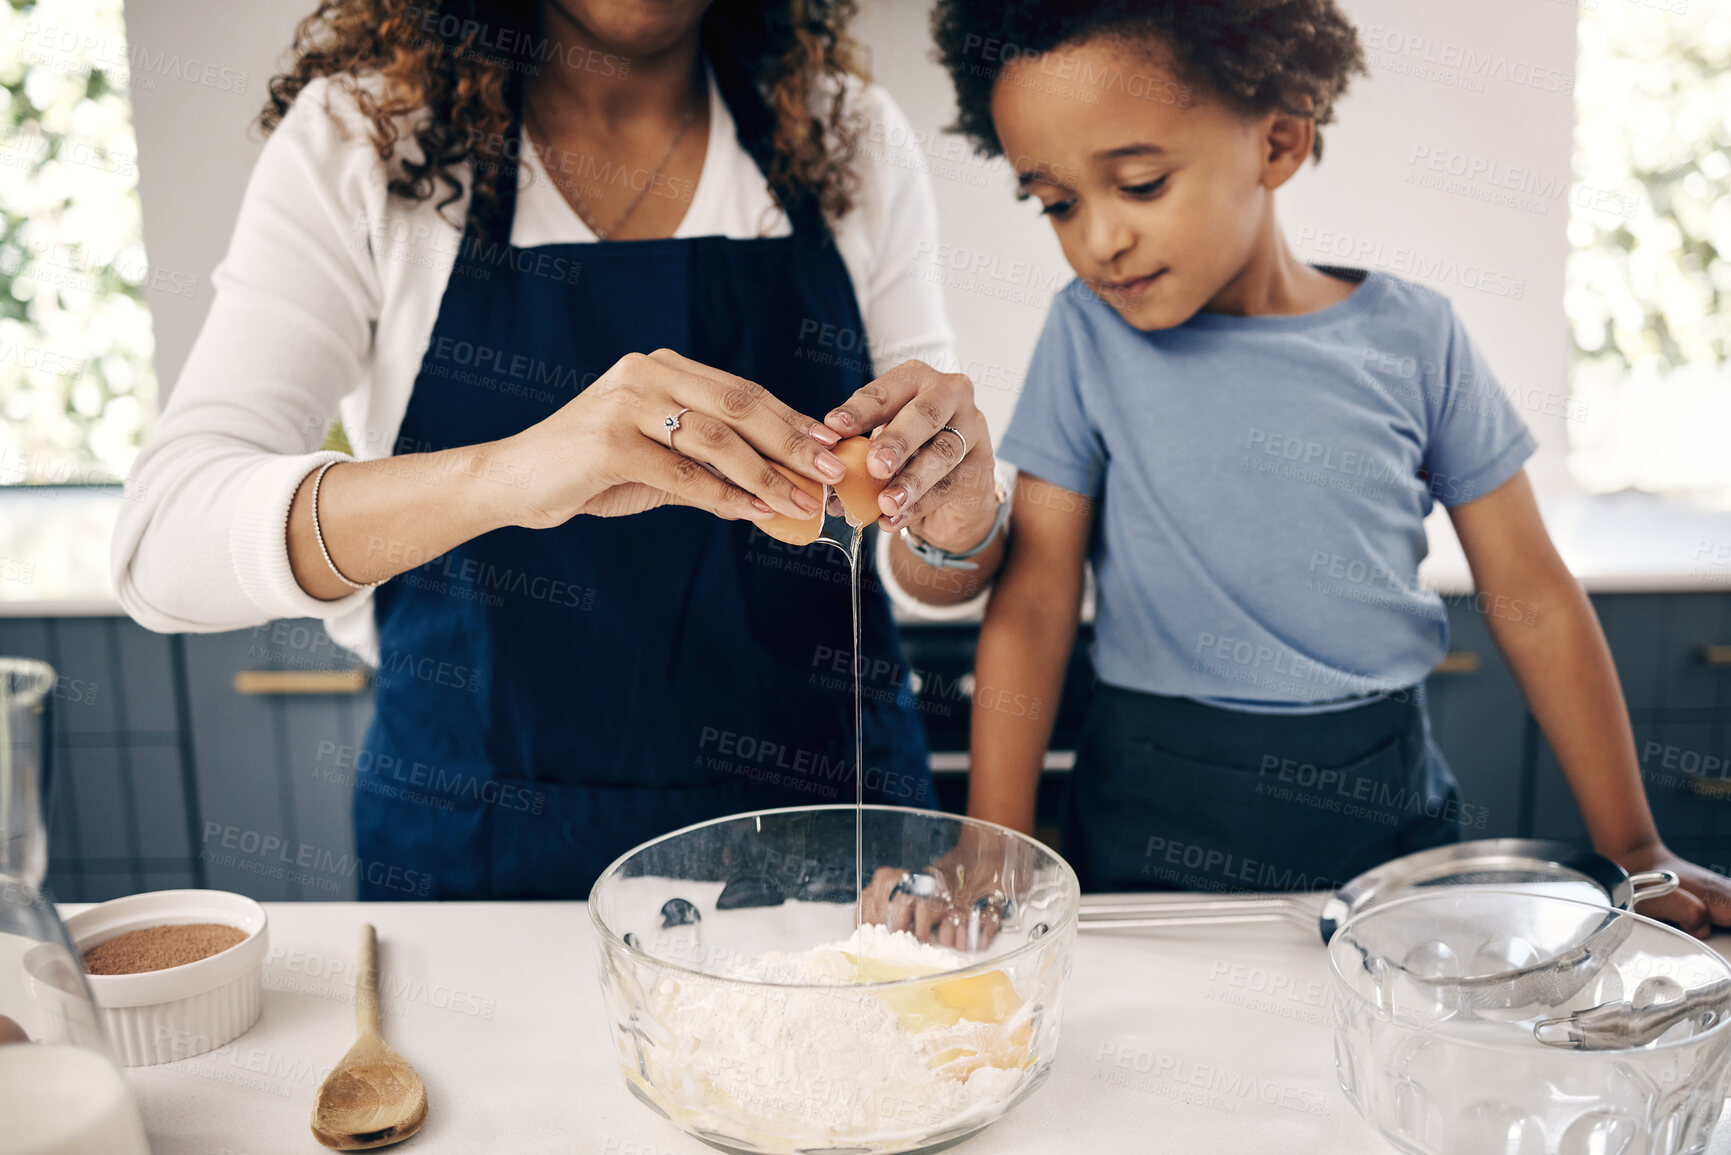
(1651, 884)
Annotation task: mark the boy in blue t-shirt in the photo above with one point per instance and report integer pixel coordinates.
(1246, 447)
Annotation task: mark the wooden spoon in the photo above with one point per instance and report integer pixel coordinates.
(372, 1098)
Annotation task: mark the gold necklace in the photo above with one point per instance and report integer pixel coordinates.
(574, 200)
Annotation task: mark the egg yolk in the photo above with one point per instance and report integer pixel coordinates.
(988, 999)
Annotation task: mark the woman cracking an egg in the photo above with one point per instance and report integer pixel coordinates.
(601, 291)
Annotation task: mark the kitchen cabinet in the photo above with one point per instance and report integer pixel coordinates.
(1478, 720)
(1691, 809)
(942, 658)
(227, 760)
(274, 760)
(1658, 642)
(163, 774)
(120, 797)
(1671, 659)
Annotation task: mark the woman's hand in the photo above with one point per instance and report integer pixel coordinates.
(940, 485)
(605, 453)
(1702, 902)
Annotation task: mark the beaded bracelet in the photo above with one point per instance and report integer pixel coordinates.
(318, 480)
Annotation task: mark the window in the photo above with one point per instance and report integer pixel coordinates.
(77, 386)
(1649, 279)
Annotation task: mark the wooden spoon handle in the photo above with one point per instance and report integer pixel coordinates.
(367, 982)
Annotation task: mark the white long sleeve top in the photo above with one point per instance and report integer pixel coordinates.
(324, 305)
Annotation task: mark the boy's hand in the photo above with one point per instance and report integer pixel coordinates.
(1702, 902)
(939, 911)
(957, 901)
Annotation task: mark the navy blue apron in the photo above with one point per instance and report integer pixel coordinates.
(1173, 794)
(548, 699)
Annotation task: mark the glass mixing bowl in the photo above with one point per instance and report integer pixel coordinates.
(728, 1023)
(1486, 1022)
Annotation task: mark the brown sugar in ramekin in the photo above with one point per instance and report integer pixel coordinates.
(156, 948)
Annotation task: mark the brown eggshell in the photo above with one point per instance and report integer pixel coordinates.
(11, 1032)
(791, 530)
(858, 490)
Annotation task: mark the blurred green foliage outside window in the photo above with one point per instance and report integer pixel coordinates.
(1648, 293)
(77, 386)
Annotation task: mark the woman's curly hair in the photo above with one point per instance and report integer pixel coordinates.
(464, 62)
(1253, 54)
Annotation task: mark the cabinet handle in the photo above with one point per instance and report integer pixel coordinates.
(1715, 789)
(301, 681)
(1716, 654)
(1458, 662)
(956, 761)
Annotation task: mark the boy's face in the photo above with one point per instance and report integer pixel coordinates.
(1158, 199)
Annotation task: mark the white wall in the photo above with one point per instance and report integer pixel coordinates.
(1481, 85)
(199, 71)
(1484, 86)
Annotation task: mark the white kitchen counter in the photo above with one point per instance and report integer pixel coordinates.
(497, 1006)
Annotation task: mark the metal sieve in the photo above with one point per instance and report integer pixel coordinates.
(1503, 863)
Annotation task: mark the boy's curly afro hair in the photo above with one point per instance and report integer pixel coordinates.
(1253, 54)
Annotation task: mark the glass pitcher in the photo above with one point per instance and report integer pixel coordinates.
(60, 1090)
(24, 689)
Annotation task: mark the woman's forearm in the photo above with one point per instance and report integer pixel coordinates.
(1024, 650)
(1559, 657)
(594, 455)
(383, 517)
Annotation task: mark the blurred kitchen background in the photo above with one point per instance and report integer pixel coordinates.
(1561, 170)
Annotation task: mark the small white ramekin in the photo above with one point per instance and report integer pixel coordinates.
(160, 1016)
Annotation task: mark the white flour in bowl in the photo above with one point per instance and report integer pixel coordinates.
(835, 1060)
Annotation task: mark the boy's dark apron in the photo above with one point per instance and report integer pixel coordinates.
(1172, 794)
(547, 699)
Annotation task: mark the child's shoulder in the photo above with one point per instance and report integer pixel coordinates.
(1412, 320)
(1409, 298)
